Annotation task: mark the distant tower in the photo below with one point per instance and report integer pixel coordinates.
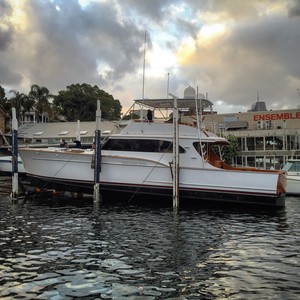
(258, 105)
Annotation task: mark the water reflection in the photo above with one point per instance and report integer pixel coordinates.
(63, 249)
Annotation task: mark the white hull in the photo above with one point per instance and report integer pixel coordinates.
(152, 175)
(293, 184)
(292, 168)
(6, 165)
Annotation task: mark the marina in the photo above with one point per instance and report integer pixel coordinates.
(149, 150)
(162, 157)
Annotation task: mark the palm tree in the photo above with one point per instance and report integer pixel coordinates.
(22, 103)
(40, 95)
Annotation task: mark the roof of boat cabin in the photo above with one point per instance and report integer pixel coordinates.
(168, 103)
(149, 129)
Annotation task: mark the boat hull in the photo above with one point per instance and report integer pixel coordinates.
(130, 191)
(135, 174)
(293, 185)
(6, 166)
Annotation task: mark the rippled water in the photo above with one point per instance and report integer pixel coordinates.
(70, 249)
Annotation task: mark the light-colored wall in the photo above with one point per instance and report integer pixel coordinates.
(280, 119)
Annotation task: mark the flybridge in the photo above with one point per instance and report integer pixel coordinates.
(277, 116)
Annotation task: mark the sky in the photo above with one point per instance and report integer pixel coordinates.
(234, 51)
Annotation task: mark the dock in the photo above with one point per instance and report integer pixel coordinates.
(25, 189)
(32, 193)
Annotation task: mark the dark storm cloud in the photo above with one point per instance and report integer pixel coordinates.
(294, 10)
(153, 9)
(7, 75)
(262, 56)
(6, 30)
(5, 8)
(65, 43)
(81, 38)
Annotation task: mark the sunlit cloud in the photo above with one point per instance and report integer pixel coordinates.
(18, 17)
(186, 49)
(211, 31)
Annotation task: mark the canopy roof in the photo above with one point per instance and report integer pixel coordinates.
(169, 103)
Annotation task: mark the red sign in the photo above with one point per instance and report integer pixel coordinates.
(274, 117)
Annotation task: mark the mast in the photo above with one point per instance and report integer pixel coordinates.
(144, 65)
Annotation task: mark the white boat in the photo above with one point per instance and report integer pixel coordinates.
(292, 168)
(6, 165)
(139, 159)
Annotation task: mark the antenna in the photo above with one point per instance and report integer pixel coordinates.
(144, 62)
(257, 96)
(168, 84)
(298, 92)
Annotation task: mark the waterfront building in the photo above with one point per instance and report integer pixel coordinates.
(266, 138)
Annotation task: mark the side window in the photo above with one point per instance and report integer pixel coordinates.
(204, 148)
(197, 147)
(117, 145)
(166, 146)
(144, 145)
(140, 145)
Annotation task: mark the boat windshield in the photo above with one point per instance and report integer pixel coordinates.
(292, 166)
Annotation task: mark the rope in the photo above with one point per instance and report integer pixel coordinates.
(139, 187)
(44, 186)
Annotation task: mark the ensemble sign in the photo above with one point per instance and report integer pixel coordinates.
(277, 116)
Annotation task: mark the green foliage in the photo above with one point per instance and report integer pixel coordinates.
(4, 103)
(21, 102)
(79, 102)
(132, 116)
(230, 151)
(2, 93)
(39, 95)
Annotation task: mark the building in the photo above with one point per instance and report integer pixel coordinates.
(54, 133)
(266, 138)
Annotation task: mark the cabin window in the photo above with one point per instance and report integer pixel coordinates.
(140, 145)
(117, 145)
(166, 146)
(204, 148)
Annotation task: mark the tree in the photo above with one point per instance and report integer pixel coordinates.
(79, 102)
(22, 103)
(40, 96)
(4, 103)
(131, 116)
(230, 151)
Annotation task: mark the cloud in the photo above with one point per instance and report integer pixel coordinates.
(294, 10)
(230, 49)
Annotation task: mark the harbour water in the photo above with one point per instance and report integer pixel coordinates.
(71, 249)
